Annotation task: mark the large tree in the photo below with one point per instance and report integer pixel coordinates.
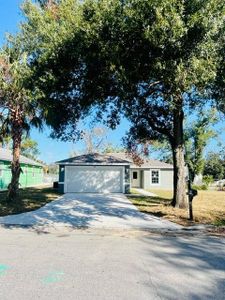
(18, 111)
(215, 165)
(199, 130)
(147, 60)
(94, 139)
(29, 148)
(197, 136)
(50, 29)
(158, 58)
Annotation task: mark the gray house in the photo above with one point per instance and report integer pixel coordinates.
(152, 174)
(112, 173)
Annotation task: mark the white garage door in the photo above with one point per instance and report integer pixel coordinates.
(93, 179)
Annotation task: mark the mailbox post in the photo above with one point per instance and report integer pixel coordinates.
(191, 194)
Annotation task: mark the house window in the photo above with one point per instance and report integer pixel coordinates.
(135, 175)
(1, 172)
(155, 177)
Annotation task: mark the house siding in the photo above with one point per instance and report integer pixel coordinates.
(166, 179)
(30, 176)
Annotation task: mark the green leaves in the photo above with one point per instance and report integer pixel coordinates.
(17, 100)
(197, 135)
(99, 54)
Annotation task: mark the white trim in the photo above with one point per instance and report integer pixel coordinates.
(159, 176)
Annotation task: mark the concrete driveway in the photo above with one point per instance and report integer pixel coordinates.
(90, 210)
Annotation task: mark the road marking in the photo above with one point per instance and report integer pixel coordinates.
(53, 277)
(3, 269)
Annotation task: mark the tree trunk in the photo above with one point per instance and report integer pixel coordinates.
(13, 189)
(180, 197)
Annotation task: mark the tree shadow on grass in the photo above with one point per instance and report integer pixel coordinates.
(150, 199)
(29, 199)
(158, 214)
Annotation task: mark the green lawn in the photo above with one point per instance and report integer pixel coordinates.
(31, 199)
(208, 207)
(163, 193)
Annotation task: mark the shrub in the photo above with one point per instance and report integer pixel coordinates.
(200, 187)
(208, 179)
(204, 187)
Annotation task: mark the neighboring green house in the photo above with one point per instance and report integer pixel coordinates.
(32, 171)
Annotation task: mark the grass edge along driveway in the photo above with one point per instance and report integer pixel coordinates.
(208, 207)
(31, 198)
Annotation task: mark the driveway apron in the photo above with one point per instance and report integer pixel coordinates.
(92, 211)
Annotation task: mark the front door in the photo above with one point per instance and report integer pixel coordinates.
(136, 179)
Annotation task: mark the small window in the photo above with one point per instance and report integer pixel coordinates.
(1, 172)
(155, 176)
(135, 175)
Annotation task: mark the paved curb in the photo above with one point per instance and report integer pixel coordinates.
(192, 231)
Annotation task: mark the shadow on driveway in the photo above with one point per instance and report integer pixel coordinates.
(89, 210)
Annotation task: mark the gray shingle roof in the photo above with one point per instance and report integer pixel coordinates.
(94, 158)
(6, 155)
(113, 159)
(148, 163)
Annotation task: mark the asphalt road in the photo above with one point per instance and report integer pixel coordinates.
(109, 264)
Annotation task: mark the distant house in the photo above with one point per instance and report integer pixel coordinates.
(32, 171)
(112, 173)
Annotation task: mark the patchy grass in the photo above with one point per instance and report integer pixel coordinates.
(208, 208)
(30, 199)
(134, 192)
(163, 193)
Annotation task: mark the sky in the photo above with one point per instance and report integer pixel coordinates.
(53, 150)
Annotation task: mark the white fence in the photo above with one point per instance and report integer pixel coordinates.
(50, 178)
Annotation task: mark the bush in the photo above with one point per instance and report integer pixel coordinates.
(202, 187)
(208, 179)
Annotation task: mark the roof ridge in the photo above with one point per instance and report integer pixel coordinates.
(113, 158)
